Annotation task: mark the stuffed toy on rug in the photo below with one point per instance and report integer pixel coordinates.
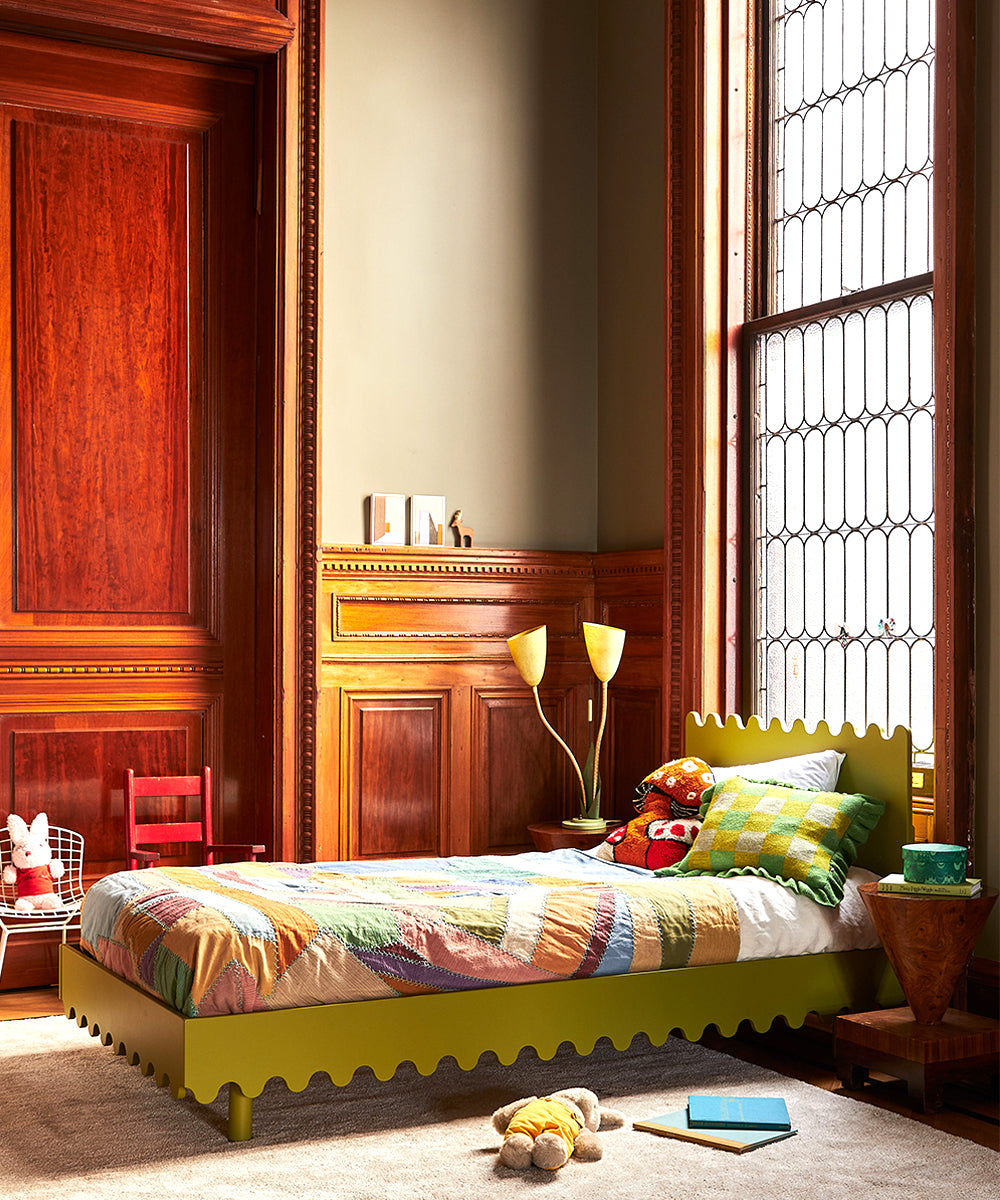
(33, 868)
(547, 1131)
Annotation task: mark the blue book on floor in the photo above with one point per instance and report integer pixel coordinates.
(738, 1112)
(676, 1125)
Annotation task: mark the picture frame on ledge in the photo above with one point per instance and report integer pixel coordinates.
(387, 519)
(427, 520)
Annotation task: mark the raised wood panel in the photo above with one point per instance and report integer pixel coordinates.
(642, 619)
(75, 776)
(520, 774)
(396, 775)
(405, 616)
(103, 254)
(69, 765)
(635, 721)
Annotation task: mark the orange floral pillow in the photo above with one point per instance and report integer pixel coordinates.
(674, 789)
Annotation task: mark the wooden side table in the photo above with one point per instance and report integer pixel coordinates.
(925, 1056)
(553, 835)
(928, 940)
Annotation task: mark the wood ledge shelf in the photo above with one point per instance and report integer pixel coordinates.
(346, 560)
(435, 560)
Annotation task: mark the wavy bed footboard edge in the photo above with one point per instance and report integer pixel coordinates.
(245, 1050)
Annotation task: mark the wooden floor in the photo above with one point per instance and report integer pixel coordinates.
(971, 1110)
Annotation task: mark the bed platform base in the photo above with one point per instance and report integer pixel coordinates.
(200, 1055)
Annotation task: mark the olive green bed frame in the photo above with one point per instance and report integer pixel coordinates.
(245, 1050)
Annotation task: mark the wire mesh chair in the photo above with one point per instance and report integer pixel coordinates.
(67, 847)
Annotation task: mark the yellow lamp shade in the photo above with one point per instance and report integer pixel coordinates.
(604, 648)
(528, 652)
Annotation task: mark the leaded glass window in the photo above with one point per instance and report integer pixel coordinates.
(843, 420)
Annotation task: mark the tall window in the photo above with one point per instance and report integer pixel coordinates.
(842, 373)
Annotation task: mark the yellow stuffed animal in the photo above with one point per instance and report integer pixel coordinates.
(547, 1131)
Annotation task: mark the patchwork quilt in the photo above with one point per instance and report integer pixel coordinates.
(250, 936)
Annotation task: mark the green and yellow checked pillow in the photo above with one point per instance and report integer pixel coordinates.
(804, 839)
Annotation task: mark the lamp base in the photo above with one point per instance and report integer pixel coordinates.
(586, 824)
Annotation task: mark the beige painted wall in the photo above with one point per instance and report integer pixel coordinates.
(481, 339)
(630, 299)
(459, 265)
(987, 457)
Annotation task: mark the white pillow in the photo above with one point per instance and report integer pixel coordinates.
(819, 770)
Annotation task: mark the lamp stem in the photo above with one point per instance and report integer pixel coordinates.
(597, 744)
(572, 758)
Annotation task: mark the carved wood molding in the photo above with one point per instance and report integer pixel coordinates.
(309, 60)
(391, 596)
(245, 27)
(415, 560)
(683, 464)
(111, 669)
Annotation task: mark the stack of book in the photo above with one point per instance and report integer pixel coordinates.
(898, 883)
(730, 1122)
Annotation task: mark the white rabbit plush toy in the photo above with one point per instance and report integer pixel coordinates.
(33, 868)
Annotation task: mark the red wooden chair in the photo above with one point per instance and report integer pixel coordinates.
(157, 832)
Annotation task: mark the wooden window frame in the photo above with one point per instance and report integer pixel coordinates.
(713, 57)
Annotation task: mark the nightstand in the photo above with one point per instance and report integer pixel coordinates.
(928, 940)
(553, 835)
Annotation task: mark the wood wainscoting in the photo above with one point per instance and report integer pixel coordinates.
(430, 742)
(138, 415)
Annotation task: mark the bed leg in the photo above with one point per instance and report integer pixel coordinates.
(240, 1115)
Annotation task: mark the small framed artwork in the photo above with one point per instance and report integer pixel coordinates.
(387, 519)
(427, 520)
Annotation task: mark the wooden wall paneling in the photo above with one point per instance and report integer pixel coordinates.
(629, 594)
(326, 843)
(520, 774)
(102, 499)
(397, 777)
(395, 621)
(405, 620)
(130, 567)
(633, 747)
(464, 786)
(69, 765)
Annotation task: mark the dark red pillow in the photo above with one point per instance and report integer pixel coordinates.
(650, 841)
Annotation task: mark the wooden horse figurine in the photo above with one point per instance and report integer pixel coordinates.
(463, 534)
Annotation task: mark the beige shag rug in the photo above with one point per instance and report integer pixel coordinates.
(78, 1122)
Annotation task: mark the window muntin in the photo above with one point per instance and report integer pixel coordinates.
(851, 105)
(843, 420)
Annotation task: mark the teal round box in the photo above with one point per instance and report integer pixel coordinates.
(934, 862)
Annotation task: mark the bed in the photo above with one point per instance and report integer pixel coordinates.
(199, 1054)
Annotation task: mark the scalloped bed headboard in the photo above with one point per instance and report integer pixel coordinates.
(876, 765)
